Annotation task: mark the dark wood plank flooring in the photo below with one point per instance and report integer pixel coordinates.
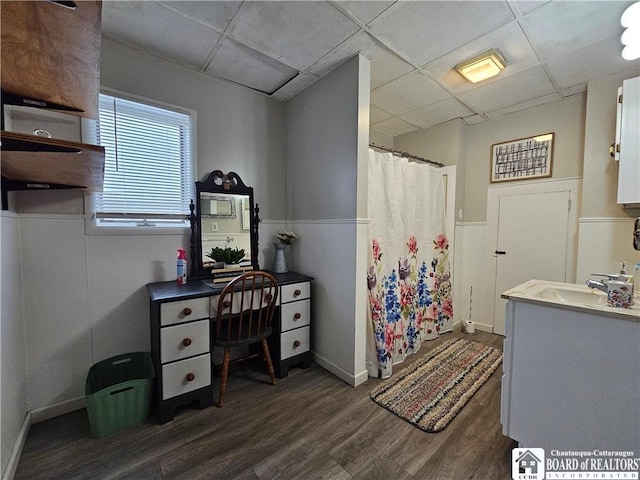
(311, 425)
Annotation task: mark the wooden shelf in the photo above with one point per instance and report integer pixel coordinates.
(44, 161)
(51, 54)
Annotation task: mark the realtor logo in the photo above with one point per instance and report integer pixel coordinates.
(527, 464)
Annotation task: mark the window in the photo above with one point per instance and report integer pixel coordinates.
(148, 164)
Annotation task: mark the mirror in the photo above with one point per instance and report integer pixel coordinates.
(223, 224)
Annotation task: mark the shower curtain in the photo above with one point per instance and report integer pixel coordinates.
(408, 276)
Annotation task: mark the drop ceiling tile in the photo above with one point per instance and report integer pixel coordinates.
(561, 27)
(523, 7)
(573, 90)
(437, 112)
(217, 14)
(296, 33)
(153, 28)
(423, 31)
(474, 119)
(295, 86)
(377, 115)
(518, 88)
(245, 66)
(508, 40)
(364, 11)
(407, 93)
(552, 97)
(394, 126)
(385, 66)
(578, 67)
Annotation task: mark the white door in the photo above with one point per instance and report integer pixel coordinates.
(532, 243)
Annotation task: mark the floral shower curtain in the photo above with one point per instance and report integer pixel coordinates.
(408, 277)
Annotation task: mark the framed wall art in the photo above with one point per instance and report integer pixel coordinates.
(522, 159)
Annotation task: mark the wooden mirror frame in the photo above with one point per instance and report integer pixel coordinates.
(221, 184)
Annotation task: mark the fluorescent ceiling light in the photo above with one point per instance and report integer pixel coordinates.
(483, 66)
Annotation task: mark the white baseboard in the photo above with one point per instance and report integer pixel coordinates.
(341, 373)
(16, 451)
(51, 411)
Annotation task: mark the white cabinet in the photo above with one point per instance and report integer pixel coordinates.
(181, 347)
(570, 379)
(628, 144)
(290, 342)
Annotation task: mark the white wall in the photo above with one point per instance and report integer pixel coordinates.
(87, 298)
(327, 137)
(605, 228)
(13, 359)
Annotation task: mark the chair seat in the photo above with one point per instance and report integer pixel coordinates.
(245, 337)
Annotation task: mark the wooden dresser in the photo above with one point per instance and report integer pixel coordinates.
(181, 345)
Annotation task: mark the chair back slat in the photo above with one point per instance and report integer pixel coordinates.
(246, 307)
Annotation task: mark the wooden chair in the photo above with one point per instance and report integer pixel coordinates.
(245, 311)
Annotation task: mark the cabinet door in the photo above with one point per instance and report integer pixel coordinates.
(629, 164)
(56, 48)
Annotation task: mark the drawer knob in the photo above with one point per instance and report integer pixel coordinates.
(186, 311)
(190, 377)
(297, 293)
(226, 304)
(186, 342)
(297, 316)
(296, 344)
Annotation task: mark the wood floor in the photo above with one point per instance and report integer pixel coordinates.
(311, 425)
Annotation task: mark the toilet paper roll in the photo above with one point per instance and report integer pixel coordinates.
(469, 326)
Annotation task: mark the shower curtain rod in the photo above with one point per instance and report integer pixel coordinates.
(408, 155)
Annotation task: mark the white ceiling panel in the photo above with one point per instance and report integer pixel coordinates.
(242, 65)
(577, 67)
(218, 14)
(436, 113)
(518, 88)
(522, 7)
(552, 97)
(407, 93)
(157, 30)
(296, 33)
(297, 84)
(394, 126)
(553, 49)
(363, 11)
(377, 115)
(474, 119)
(426, 30)
(508, 40)
(561, 27)
(385, 66)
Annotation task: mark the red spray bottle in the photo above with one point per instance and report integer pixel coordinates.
(182, 267)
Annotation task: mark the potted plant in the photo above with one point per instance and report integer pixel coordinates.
(230, 256)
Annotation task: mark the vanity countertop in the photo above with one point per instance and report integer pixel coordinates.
(571, 296)
(171, 291)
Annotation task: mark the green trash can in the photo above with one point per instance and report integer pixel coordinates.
(118, 392)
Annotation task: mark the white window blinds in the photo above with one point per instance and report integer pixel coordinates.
(148, 165)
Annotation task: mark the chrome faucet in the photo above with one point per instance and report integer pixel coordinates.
(602, 285)
(599, 285)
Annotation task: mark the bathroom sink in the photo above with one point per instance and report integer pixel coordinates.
(572, 295)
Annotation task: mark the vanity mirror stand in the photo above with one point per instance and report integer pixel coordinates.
(223, 216)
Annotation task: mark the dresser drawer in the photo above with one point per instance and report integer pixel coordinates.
(294, 342)
(185, 376)
(295, 314)
(295, 291)
(184, 311)
(184, 340)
